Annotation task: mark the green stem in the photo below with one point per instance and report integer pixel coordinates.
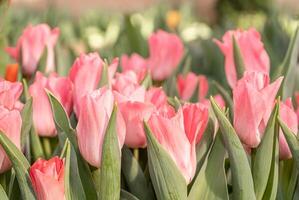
(47, 147)
(96, 176)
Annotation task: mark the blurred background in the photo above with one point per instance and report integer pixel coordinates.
(115, 27)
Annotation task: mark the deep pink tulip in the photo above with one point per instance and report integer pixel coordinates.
(156, 96)
(10, 92)
(48, 179)
(166, 51)
(289, 117)
(253, 99)
(86, 75)
(136, 63)
(61, 87)
(255, 58)
(10, 125)
(177, 133)
(92, 124)
(32, 44)
(203, 87)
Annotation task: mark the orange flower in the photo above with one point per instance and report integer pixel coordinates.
(11, 73)
(173, 18)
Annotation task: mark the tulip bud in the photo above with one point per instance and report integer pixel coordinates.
(254, 56)
(92, 124)
(32, 44)
(47, 178)
(166, 51)
(135, 63)
(11, 73)
(253, 99)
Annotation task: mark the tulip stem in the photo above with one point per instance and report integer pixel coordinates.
(136, 153)
(96, 175)
(47, 147)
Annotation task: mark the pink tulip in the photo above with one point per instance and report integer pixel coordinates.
(61, 87)
(156, 96)
(85, 74)
(203, 87)
(166, 51)
(196, 117)
(176, 138)
(253, 99)
(47, 179)
(255, 58)
(10, 125)
(92, 124)
(33, 43)
(187, 85)
(297, 104)
(135, 63)
(289, 117)
(10, 92)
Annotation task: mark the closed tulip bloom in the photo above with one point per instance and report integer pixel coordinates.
(136, 63)
(10, 125)
(289, 117)
(203, 87)
(196, 117)
(61, 87)
(169, 130)
(10, 92)
(47, 179)
(32, 44)
(253, 99)
(254, 55)
(187, 85)
(166, 51)
(86, 75)
(297, 104)
(11, 72)
(92, 124)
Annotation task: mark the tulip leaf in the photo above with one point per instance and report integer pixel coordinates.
(288, 67)
(292, 141)
(111, 162)
(3, 195)
(147, 81)
(205, 144)
(72, 183)
(26, 122)
(36, 146)
(21, 166)
(105, 76)
(238, 60)
(62, 121)
(134, 176)
(265, 161)
(205, 186)
(167, 180)
(241, 174)
(124, 195)
(174, 102)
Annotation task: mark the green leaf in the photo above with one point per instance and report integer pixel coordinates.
(265, 158)
(134, 176)
(288, 67)
(4, 4)
(174, 102)
(36, 146)
(292, 141)
(21, 166)
(62, 121)
(111, 162)
(241, 174)
(147, 81)
(205, 185)
(26, 122)
(238, 60)
(205, 144)
(105, 76)
(72, 183)
(167, 179)
(3, 195)
(124, 195)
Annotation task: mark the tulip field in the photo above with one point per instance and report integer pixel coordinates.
(148, 107)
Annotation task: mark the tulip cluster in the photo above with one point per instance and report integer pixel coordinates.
(104, 132)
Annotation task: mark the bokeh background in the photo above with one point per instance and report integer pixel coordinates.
(115, 27)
